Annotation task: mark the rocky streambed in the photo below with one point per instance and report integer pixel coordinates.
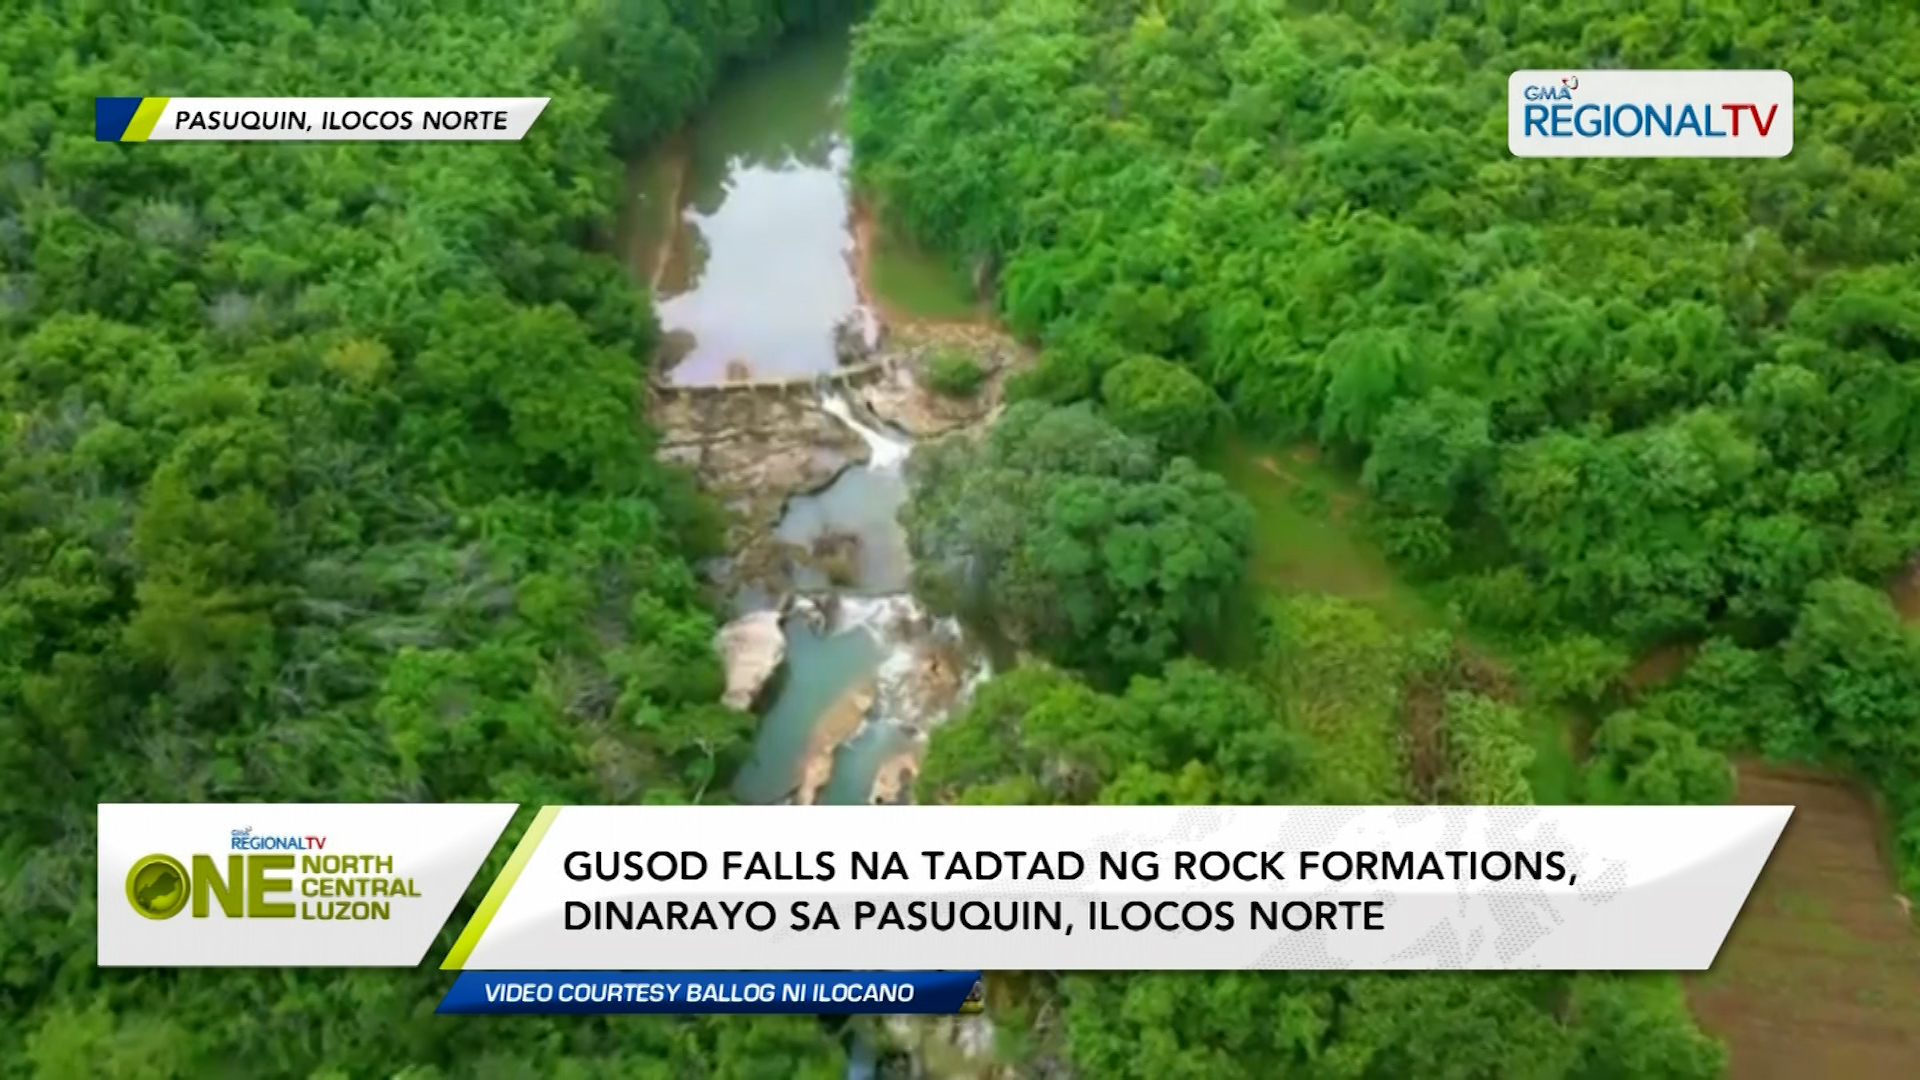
(779, 390)
(812, 472)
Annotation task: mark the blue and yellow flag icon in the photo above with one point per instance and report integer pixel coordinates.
(126, 119)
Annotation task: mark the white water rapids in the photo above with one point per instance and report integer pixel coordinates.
(920, 668)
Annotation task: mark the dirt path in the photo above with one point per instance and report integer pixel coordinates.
(1821, 973)
(678, 153)
(1905, 590)
(1659, 666)
(1340, 502)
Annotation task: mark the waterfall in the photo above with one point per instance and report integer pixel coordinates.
(889, 450)
(926, 668)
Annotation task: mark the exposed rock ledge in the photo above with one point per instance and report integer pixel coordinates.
(949, 1047)
(753, 647)
(893, 781)
(902, 398)
(836, 726)
(753, 451)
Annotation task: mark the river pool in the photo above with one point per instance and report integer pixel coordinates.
(751, 268)
(742, 227)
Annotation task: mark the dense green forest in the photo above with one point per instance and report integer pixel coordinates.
(1650, 402)
(322, 478)
(1597, 410)
(1314, 715)
(323, 475)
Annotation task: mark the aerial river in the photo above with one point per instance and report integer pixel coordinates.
(742, 228)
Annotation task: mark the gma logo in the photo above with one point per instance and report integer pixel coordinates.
(159, 887)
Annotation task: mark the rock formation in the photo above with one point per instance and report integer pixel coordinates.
(902, 399)
(893, 782)
(753, 450)
(815, 612)
(857, 337)
(951, 1047)
(752, 648)
(928, 684)
(675, 346)
(836, 553)
(836, 726)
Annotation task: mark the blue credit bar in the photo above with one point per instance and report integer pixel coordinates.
(811, 992)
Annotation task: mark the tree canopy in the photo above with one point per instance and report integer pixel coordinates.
(1075, 539)
(1645, 401)
(1299, 725)
(1670, 392)
(322, 479)
(1604, 407)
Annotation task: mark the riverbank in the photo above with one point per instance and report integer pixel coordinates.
(655, 187)
(912, 288)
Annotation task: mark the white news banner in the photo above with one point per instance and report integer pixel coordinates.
(1157, 888)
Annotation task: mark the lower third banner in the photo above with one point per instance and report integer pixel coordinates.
(501, 992)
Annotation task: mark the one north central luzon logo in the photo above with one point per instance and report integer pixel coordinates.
(1555, 110)
(315, 884)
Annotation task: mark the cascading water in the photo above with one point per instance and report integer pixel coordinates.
(869, 637)
(860, 507)
(890, 450)
(747, 239)
(744, 229)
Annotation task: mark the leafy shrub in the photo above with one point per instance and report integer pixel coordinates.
(953, 373)
(1161, 400)
(1576, 668)
(1487, 751)
(1637, 758)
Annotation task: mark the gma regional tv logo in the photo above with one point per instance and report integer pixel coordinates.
(313, 885)
(1650, 113)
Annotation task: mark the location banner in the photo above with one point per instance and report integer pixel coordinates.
(284, 884)
(741, 888)
(184, 119)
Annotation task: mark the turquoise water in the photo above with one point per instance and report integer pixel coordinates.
(753, 269)
(862, 501)
(865, 501)
(820, 668)
(858, 762)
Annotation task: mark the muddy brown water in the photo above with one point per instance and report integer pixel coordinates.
(743, 222)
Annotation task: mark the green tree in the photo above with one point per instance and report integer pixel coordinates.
(1858, 670)
(1428, 453)
(1575, 667)
(1638, 1025)
(1075, 539)
(1637, 758)
(323, 478)
(1154, 398)
(1487, 750)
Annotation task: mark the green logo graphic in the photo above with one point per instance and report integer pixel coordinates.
(157, 887)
